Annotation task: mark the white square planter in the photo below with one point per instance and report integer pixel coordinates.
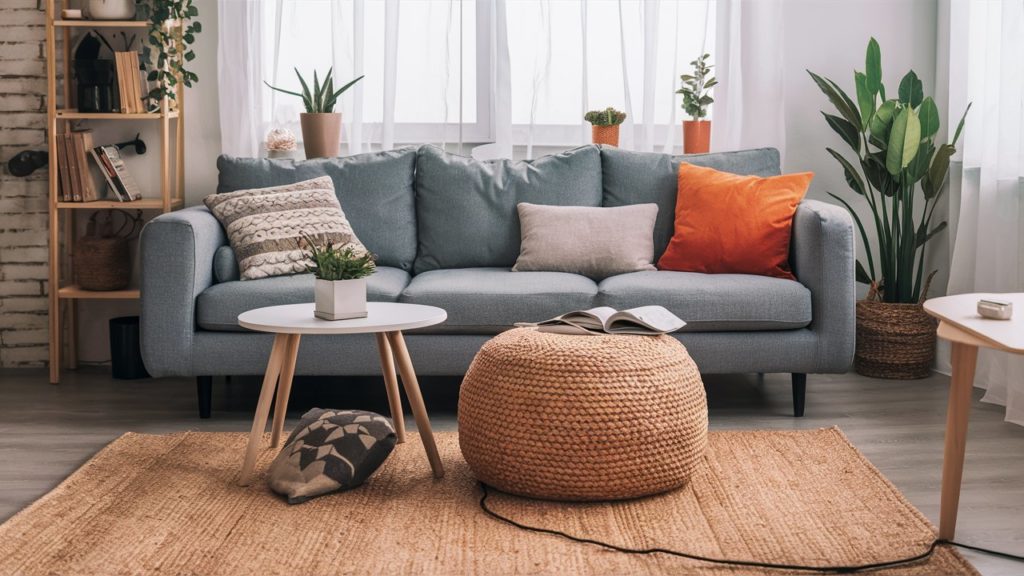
(340, 299)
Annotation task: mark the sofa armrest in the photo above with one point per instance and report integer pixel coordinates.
(176, 258)
(823, 261)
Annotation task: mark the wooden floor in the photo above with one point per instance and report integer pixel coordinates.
(46, 431)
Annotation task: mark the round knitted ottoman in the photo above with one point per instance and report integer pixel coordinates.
(564, 417)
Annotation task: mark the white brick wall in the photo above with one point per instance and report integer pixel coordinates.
(23, 234)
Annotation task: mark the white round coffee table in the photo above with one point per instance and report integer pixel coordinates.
(385, 320)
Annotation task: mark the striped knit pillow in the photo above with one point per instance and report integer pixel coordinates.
(265, 225)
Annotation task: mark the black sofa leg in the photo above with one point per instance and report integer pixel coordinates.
(799, 393)
(204, 387)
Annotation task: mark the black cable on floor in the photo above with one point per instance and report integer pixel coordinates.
(751, 563)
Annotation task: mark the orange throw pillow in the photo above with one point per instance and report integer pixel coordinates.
(729, 224)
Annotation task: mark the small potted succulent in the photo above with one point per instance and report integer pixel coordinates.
(321, 125)
(341, 272)
(696, 93)
(605, 125)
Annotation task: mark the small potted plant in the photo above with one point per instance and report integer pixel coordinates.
(321, 125)
(341, 272)
(696, 93)
(605, 125)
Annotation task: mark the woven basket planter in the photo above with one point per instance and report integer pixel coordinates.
(582, 418)
(894, 340)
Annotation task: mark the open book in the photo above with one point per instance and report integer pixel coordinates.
(644, 320)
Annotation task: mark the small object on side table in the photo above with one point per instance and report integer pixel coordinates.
(995, 309)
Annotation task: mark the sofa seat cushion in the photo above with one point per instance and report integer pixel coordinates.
(489, 300)
(218, 307)
(714, 302)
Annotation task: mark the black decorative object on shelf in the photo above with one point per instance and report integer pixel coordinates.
(94, 75)
(28, 161)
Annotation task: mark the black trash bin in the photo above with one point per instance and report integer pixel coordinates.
(125, 355)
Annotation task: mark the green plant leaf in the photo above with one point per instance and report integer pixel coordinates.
(874, 170)
(865, 99)
(862, 275)
(852, 176)
(347, 86)
(921, 238)
(307, 98)
(929, 115)
(848, 132)
(904, 140)
(911, 90)
(960, 125)
(318, 94)
(919, 165)
(933, 180)
(873, 68)
(838, 98)
(881, 121)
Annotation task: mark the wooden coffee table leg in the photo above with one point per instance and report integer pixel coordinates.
(284, 388)
(419, 411)
(387, 366)
(259, 422)
(964, 360)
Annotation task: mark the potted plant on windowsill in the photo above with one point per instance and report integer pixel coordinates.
(321, 125)
(894, 143)
(340, 291)
(605, 125)
(696, 91)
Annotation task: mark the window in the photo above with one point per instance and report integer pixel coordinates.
(434, 67)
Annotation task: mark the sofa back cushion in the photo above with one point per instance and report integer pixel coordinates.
(466, 209)
(644, 177)
(374, 189)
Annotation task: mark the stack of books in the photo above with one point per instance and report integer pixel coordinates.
(84, 171)
(129, 82)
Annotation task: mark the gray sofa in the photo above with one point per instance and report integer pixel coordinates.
(446, 233)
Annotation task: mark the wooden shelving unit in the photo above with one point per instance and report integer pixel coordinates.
(60, 112)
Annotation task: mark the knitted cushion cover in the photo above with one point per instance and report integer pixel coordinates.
(265, 225)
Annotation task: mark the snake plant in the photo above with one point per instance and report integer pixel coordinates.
(323, 97)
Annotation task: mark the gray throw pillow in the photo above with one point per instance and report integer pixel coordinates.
(594, 242)
(264, 225)
(330, 451)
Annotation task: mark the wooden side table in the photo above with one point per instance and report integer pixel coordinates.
(385, 320)
(960, 323)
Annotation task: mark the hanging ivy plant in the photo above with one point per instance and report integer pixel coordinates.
(162, 51)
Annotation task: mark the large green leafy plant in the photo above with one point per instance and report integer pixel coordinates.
(896, 155)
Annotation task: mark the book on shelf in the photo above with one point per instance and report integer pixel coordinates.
(129, 91)
(76, 187)
(643, 320)
(63, 174)
(121, 180)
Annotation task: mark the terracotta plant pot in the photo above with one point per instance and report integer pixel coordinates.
(894, 340)
(605, 134)
(321, 134)
(696, 136)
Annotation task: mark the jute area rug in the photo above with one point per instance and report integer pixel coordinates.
(168, 504)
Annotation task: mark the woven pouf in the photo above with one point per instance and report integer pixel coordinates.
(563, 417)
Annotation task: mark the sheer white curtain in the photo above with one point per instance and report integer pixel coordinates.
(749, 100)
(495, 72)
(986, 45)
